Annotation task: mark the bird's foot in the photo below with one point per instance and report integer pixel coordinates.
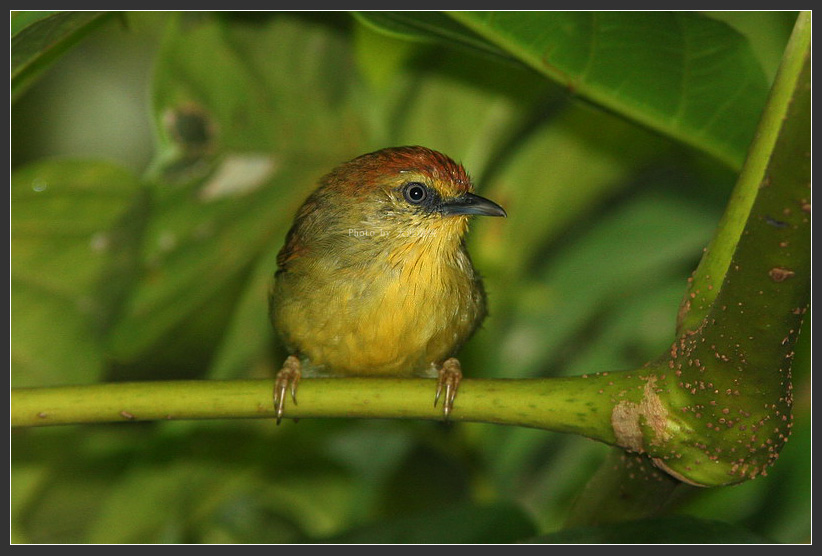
(450, 375)
(287, 380)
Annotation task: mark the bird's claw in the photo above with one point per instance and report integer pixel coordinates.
(450, 375)
(287, 380)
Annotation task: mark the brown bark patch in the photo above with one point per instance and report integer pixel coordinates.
(628, 417)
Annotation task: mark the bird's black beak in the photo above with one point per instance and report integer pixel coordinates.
(468, 203)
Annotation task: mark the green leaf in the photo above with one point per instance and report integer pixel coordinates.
(67, 255)
(248, 334)
(241, 482)
(450, 94)
(469, 524)
(241, 147)
(39, 38)
(426, 27)
(683, 74)
(629, 250)
(22, 19)
(381, 58)
(766, 31)
(558, 174)
(666, 530)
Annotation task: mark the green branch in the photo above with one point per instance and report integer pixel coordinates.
(727, 390)
(579, 405)
(729, 380)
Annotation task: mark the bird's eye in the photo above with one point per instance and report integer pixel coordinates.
(415, 192)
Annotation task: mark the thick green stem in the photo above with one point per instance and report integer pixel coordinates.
(723, 403)
(704, 285)
(580, 405)
(732, 394)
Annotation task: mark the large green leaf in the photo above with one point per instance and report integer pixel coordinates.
(69, 248)
(683, 74)
(241, 146)
(561, 172)
(38, 38)
(179, 482)
(426, 26)
(638, 245)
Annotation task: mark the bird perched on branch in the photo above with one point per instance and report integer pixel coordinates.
(374, 278)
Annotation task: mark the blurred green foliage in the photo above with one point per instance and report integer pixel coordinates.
(158, 164)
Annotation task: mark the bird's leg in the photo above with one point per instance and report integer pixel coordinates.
(287, 379)
(450, 375)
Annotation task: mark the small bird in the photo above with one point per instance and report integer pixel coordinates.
(375, 279)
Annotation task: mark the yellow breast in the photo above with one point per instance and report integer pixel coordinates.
(400, 314)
